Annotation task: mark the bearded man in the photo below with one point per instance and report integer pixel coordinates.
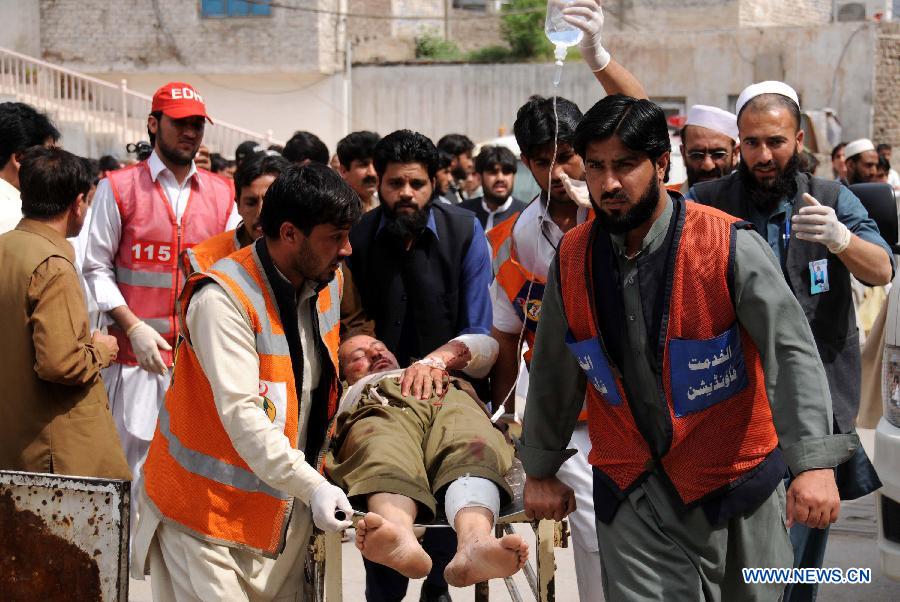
(422, 270)
(812, 225)
(144, 217)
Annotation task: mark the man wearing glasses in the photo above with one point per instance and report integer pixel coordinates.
(708, 144)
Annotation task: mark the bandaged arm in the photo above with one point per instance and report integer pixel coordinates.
(473, 354)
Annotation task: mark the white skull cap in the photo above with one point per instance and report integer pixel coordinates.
(768, 87)
(858, 146)
(713, 118)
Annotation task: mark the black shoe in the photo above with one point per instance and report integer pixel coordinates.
(434, 594)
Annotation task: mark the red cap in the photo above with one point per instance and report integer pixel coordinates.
(179, 100)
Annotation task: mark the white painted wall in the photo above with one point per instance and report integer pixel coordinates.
(21, 30)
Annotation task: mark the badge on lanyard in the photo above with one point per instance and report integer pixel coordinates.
(818, 277)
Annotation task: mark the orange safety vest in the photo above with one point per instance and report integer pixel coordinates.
(146, 264)
(718, 410)
(193, 475)
(200, 258)
(524, 289)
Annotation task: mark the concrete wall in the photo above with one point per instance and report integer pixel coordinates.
(281, 102)
(830, 66)
(886, 123)
(171, 35)
(21, 29)
(764, 13)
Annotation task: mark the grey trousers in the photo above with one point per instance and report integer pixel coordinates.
(650, 551)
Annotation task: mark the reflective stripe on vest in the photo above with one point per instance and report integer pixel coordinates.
(202, 257)
(212, 468)
(193, 474)
(718, 433)
(146, 264)
(267, 341)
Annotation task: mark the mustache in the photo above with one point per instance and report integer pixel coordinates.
(614, 196)
(370, 180)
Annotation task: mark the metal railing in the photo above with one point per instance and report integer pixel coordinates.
(111, 116)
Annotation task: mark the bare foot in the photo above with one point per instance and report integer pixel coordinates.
(486, 559)
(393, 546)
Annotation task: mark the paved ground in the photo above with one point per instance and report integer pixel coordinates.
(852, 544)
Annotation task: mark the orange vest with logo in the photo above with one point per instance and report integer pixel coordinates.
(146, 263)
(711, 375)
(201, 257)
(193, 475)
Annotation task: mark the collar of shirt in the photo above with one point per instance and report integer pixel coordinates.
(8, 191)
(157, 167)
(45, 231)
(429, 225)
(548, 226)
(760, 219)
(501, 208)
(653, 239)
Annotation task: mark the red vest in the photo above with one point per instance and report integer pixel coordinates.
(712, 377)
(146, 264)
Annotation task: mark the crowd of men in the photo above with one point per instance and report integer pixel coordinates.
(199, 325)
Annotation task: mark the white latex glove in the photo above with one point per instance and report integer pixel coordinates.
(587, 15)
(325, 501)
(820, 224)
(577, 190)
(146, 343)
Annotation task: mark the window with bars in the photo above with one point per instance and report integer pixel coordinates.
(235, 8)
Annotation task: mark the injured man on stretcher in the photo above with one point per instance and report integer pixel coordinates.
(405, 440)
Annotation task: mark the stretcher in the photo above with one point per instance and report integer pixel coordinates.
(324, 560)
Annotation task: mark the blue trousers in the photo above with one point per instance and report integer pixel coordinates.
(384, 584)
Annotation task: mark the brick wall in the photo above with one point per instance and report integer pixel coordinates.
(171, 35)
(886, 109)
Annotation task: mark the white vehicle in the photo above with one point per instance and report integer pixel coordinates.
(887, 443)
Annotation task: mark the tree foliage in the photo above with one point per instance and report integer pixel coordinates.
(524, 31)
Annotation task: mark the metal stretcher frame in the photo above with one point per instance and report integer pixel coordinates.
(324, 561)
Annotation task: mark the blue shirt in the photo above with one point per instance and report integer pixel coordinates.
(849, 209)
(475, 279)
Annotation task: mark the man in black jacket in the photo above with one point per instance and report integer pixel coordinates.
(497, 167)
(423, 270)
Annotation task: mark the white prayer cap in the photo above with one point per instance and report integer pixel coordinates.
(858, 146)
(713, 118)
(768, 87)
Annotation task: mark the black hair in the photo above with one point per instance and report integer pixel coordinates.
(357, 146)
(535, 125)
(306, 145)
(495, 155)
(21, 127)
(50, 179)
(837, 148)
(884, 146)
(772, 100)
(444, 160)
(158, 116)
(217, 162)
(246, 149)
(255, 166)
(93, 168)
(308, 196)
(456, 144)
(276, 148)
(639, 123)
(109, 163)
(807, 162)
(405, 146)
(884, 164)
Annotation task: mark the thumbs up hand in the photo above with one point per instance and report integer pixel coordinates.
(818, 223)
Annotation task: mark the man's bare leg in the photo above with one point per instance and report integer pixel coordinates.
(385, 535)
(479, 555)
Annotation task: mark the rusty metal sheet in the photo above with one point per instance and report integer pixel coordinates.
(63, 538)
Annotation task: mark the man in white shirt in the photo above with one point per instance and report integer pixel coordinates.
(144, 217)
(230, 484)
(21, 127)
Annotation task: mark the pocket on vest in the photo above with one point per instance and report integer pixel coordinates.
(705, 372)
